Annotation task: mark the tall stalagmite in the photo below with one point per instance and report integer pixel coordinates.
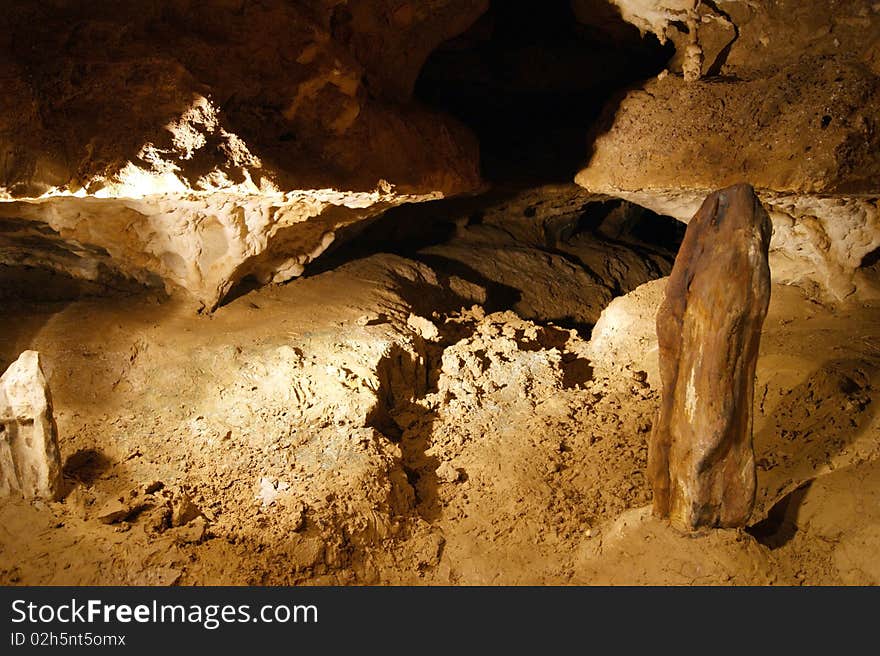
(701, 462)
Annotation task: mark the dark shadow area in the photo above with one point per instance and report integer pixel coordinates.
(404, 422)
(86, 466)
(488, 249)
(529, 79)
(28, 283)
(780, 525)
(243, 287)
(870, 260)
(499, 297)
(34, 296)
(407, 228)
(625, 223)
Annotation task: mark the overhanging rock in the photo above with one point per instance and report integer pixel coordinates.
(199, 245)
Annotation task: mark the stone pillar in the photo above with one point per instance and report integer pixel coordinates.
(700, 462)
(30, 464)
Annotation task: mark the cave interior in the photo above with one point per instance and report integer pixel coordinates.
(366, 291)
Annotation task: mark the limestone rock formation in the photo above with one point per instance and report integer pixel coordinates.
(624, 339)
(30, 464)
(93, 87)
(126, 151)
(197, 244)
(790, 104)
(702, 32)
(701, 463)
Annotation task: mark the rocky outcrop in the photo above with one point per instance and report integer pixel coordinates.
(624, 339)
(701, 463)
(30, 464)
(92, 87)
(702, 32)
(127, 148)
(747, 38)
(197, 244)
(790, 104)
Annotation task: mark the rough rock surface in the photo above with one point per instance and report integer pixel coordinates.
(93, 87)
(314, 426)
(550, 253)
(30, 464)
(743, 36)
(791, 105)
(624, 338)
(198, 244)
(701, 462)
(133, 154)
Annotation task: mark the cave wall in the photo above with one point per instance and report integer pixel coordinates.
(88, 84)
(194, 143)
(189, 145)
(790, 103)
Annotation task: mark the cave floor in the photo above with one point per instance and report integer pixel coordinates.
(326, 432)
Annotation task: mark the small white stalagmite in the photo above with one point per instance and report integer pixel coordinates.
(30, 465)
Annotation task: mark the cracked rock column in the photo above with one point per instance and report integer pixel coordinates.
(700, 461)
(30, 465)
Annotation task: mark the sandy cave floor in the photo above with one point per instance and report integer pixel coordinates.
(332, 431)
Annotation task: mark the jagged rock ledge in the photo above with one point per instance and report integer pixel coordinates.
(197, 244)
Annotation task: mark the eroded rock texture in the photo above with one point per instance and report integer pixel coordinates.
(192, 144)
(701, 463)
(787, 96)
(199, 245)
(30, 464)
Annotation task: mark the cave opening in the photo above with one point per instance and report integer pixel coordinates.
(531, 78)
(531, 81)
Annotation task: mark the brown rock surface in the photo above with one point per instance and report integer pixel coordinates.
(29, 461)
(129, 153)
(743, 37)
(803, 128)
(701, 460)
(789, 104)
(88, 85)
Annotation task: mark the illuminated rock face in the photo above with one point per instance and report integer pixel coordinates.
(197, 245)
(29, 461)
(787, 103)
(700, 462)
(188, 145)
(212, 95)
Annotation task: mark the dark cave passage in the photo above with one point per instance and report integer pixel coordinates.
(551, 253)
(530, 80)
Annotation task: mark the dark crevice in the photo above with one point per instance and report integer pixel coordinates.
(479, 240)
(870, 259)
(780, 525)
(499, 296)
(244, 286)
(721, 59)
(48, 284)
